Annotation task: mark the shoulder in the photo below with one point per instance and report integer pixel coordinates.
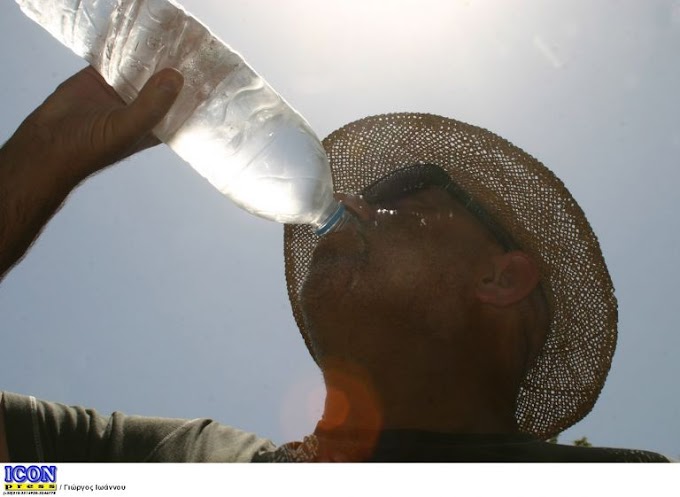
(569, 453)
(205, 440)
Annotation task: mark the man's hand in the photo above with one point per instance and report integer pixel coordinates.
(81, 128)
(85, 124)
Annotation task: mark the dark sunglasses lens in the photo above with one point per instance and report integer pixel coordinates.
(411, 179)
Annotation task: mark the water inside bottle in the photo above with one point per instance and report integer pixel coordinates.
(278, 170)
(227, 122)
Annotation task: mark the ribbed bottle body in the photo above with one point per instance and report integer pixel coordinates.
(228, 123)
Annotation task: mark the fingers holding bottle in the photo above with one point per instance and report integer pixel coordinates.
(132, 125)
(85, 126)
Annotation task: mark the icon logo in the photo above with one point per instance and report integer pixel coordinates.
(37, 479)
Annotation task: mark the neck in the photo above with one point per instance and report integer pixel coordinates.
(360, 404)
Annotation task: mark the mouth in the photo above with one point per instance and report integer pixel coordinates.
(349, 242)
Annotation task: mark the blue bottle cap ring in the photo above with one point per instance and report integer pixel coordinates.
(331, 221)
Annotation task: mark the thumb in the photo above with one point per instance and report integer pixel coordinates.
(150, 107)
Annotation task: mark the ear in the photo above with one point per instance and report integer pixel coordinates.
(507, 279)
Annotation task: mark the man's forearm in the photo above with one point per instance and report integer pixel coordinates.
(80, 129)
(32, 188)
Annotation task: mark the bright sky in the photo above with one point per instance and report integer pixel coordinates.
(150, 293)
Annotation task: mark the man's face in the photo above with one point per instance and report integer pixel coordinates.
(409, 261)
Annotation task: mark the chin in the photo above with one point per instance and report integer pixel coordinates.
(325, 284)
(335, 268)
(329, 293)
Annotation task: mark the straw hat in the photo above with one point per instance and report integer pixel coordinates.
(535, 208)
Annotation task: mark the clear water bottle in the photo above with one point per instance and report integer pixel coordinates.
(228, 123)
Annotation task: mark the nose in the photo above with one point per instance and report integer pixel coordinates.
(361, 209)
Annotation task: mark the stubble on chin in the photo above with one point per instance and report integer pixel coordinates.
(335, 267)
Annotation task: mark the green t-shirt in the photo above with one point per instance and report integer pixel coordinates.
(39, 431)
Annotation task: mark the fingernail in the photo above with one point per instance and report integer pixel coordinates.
(171, 82)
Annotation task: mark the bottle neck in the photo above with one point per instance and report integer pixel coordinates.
(337, 218)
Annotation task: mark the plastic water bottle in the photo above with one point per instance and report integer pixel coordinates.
(228, 123)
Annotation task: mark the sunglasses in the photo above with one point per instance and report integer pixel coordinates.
(411, 179)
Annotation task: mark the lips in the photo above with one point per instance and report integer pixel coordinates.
(347, 242)
(349, 239)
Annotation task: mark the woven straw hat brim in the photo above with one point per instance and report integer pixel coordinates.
(531, 204)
